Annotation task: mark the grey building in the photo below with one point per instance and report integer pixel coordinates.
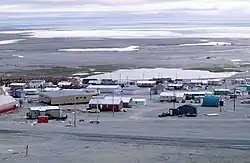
(51, 111)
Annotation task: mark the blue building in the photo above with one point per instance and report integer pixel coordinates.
(210, 101)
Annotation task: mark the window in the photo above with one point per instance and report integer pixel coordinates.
(77, 98)
(84, 97)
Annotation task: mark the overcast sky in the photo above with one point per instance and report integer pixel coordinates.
(110, 12)
(235, 8)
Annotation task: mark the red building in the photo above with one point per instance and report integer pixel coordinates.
(106, 104)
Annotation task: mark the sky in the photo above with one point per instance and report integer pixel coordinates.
(221, 8)
(123, 13)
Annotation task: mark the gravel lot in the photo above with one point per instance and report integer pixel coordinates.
(137, 135)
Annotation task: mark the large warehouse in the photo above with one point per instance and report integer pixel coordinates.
(64, 97)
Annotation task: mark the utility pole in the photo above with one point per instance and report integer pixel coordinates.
(113, 103)
(74, 120)
(220, 104)
(234, 98)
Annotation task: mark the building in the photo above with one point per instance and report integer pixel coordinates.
(221, 92)
(65, 84)
(175, 86)
(17, 93)
(109, 82)
(210, 101)
(215, 82)
(129, 89)
(146, 83)
(106, 104)
(199, 82)
(187, 110)
(64, 97)
(36, 84)
(239, 81)
(127, 101)
(139, 102)
(172, 96)
(193, 95)
(51, 111)
(105, 88)
(31, 91)
(16, 86)
(156, 90)
(48, 89)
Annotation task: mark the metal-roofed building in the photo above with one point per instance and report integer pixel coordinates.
(51, 111)
(63, 97)
(16, 86)
(105, 88)
(172, 96)
(106, 104)
(127, 101)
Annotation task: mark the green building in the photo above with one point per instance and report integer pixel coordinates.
(220, 92)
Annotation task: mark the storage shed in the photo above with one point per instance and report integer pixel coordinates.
(51, 111)
(106, 104)
(222, 92)
(145, 83)
(187, 109)
(127, 101)
(63, 97)
(211, 101)
(105, 88)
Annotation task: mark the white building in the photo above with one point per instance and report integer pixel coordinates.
(239, 81)
(215, 82)
(105, 88)
(127, 101)
(172, 96)
(139, 102)
(51, 89)
(31, 91)
(51, 111)
(15, 86)
(175, 86)
(145, 83)
(64, 83)
(199, 82)
(192, 95)
(36, 84)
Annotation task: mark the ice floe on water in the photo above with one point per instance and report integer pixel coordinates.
(138, 74)
(3, 42)
(208, 44)
(235, 60)
(19, 56)
(125, 49)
